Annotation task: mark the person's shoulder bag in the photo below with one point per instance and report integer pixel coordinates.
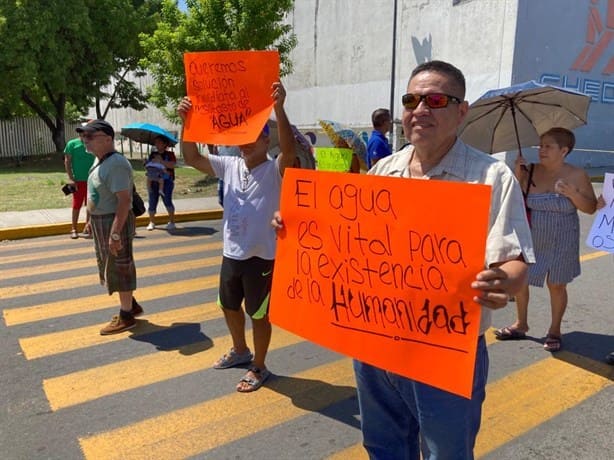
(138, 206)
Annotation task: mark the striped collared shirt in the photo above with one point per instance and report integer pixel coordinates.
(509, 234)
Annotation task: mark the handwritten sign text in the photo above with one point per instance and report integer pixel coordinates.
(230, 93)
(380, 268)
(601, 235)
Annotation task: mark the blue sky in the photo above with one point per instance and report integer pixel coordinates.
(181, 4)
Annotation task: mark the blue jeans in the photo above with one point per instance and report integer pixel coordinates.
(400, 416)
(154, 195)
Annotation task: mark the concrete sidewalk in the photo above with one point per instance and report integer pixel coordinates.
(45, 222)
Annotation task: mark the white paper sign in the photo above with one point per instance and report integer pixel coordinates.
(601, 235)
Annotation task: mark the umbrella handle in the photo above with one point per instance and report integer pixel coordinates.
(522, 166)
(513, 110)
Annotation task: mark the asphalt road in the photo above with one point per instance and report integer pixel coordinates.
(68, 393)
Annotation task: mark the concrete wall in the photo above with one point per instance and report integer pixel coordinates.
(343, 67)
(343, 61)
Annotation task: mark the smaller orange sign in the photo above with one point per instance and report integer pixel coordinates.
(230, 93)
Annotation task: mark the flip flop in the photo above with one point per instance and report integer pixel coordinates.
(552, 343)
(254, 383)
(232, 359)
(509, 333)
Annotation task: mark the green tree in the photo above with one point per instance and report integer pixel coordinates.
(211, 25)
(61, 57)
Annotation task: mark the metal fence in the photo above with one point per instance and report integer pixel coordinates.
(27, 137)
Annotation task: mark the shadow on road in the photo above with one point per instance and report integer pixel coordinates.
(577, 346)
(188, 231)
(337, 402)
(185, 337)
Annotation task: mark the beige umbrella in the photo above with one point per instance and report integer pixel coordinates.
(510, 118)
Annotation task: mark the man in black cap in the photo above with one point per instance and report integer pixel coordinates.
(109, 201)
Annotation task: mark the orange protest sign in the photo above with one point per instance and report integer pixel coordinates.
(380, 268)
(230, 93)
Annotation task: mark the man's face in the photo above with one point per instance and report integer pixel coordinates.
(256, 150)
(429, 128)
(387, 124)
(96, 142)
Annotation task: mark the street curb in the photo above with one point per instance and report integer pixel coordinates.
(33, 231)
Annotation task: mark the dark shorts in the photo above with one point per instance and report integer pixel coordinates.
(246, 279)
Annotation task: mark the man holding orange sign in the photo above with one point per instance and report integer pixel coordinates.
(252, 184)
(404, 417)
(395, 410)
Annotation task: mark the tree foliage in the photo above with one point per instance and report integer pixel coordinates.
(211, 25)
(61, 57)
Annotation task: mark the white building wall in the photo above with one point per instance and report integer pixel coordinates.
(342, 64)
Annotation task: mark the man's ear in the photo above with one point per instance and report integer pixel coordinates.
(463, 109)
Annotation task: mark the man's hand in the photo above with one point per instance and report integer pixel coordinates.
(115, 246)
(279, 94)
(277, 223)
(500, 281)
(287, 144)
(492, 283)
(184, 107)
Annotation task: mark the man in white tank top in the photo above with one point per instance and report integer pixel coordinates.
(252, 186)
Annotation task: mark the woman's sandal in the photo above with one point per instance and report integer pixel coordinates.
(261, 375)
(509, 333)
(552, 343)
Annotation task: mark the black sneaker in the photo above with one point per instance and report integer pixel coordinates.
(136, 309)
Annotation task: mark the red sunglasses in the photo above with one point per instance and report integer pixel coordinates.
(433, 100)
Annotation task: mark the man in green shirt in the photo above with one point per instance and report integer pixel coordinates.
(77, 162)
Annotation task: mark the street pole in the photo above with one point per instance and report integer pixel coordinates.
(392, 73)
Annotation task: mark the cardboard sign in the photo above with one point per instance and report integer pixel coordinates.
(601, 235)
(380, 268)
(333, 159)
(230, 93)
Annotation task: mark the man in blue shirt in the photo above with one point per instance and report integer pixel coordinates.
(378, 147)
